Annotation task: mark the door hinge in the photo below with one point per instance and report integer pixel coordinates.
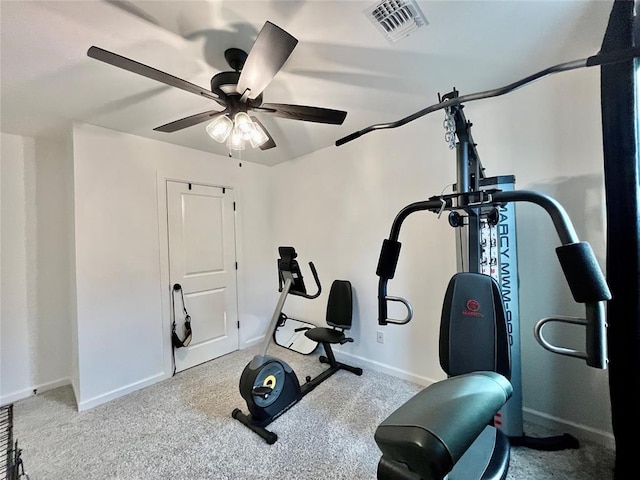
(236, 265)
(238, 323)
(224, 190)
(189, 186)
(234, 206)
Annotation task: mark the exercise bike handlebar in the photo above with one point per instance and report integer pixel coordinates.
(316, 279)
(285, 289)
(595, 60)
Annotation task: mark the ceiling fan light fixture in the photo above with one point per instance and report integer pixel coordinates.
(243, 124)
(258, 137)
(235, 141)
(220, 128)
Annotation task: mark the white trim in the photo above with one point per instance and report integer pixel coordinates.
(119, 392)
(28, 392)
(380, 367)
(251, 342)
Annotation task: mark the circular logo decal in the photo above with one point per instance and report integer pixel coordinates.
(473, 305)
(270, 381)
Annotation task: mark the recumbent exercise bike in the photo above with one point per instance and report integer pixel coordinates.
(268, 384)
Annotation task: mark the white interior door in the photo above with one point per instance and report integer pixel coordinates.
(202, 259)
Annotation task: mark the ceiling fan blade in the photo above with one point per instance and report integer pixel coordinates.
(149, 72)
(188, 121)
(269, 143)
(302, 112)
(267, 56)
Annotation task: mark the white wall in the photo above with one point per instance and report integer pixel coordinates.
(35, 334)
(17, 269)
(121, 254)
(336, 206)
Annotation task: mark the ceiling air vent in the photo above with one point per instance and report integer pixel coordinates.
(396, 19)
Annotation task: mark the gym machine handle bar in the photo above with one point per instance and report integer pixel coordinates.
(600, 59)
(582, 272)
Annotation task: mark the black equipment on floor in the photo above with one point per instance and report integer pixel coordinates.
(11, 464)
(447, 428)
(268, 384)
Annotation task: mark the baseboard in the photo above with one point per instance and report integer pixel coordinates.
(119, 392)
(382, 368)
(29, 392)
(581, 432)
(251, 342)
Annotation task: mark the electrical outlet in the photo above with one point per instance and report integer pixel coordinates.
(380, 336)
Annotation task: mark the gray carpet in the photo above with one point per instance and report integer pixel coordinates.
(182, 429)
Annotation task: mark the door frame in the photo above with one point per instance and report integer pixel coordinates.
(163, 248)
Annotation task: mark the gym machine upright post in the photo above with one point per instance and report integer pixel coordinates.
(268, 384)
(487, 244)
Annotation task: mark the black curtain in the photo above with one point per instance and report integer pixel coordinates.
(621, 152)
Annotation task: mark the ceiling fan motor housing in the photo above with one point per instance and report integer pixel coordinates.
(224, 85)
(235, 57)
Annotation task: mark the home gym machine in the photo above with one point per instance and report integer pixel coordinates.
(417, 440)
(268, 384)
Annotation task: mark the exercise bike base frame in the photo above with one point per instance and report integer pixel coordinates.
(258, 426)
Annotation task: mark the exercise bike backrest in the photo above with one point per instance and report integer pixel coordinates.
(288, 268)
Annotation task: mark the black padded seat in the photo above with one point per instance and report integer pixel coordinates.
(434, 429)
(328, 335)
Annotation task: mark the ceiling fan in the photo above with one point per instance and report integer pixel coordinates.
(238, 91)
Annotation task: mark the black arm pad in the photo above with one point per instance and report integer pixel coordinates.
(583, 274)
(388, 259)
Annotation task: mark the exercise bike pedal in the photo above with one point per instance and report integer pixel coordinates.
(262, 391)
(323, 359)
(307, 378)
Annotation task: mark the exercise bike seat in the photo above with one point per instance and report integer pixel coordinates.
(428, 435)
(339, 315)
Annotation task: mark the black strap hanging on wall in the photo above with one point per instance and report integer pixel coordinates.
(175, 339)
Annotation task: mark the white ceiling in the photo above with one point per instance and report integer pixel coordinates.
(340, 62)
